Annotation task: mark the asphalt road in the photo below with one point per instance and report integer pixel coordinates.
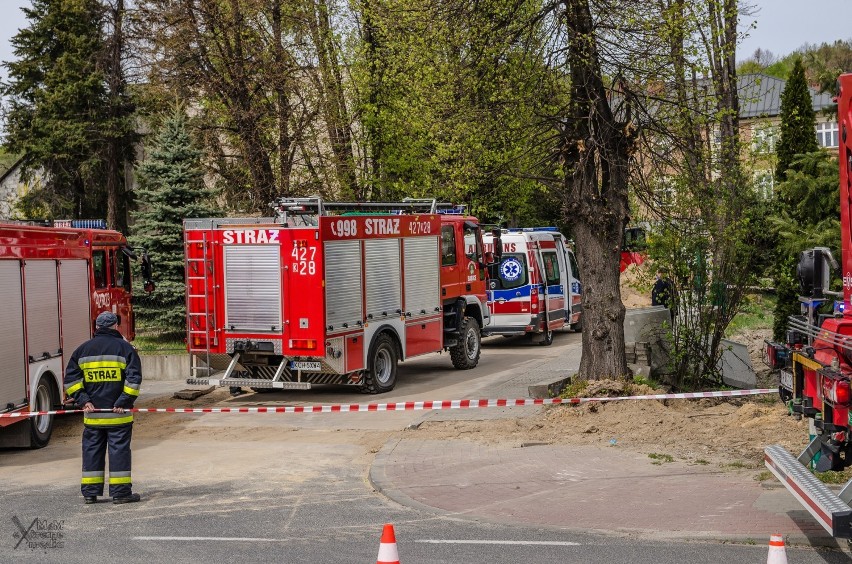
(260, 488)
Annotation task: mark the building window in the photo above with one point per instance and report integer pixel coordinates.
(826, 134)
(764, 183)
(763, 138)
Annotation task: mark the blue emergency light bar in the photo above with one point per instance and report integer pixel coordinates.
(531, 229)
(88, 223)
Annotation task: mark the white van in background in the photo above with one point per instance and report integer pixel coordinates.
(534, 285)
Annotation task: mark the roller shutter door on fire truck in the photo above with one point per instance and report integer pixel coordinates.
(253, 287)
(75, 302)
(42, 301)
(343, 284)
(381, 265)
(13, 366)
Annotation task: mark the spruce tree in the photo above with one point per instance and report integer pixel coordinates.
(171, 188)
(56, 107)
(798, 123)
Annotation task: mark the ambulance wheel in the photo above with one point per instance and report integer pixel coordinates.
(41, 426)
(465, 354)
(380, 376)
(576, 327)
(546, 338)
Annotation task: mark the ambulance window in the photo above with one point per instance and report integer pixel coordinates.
(99, 268)
(512, 271)
(575, 270)
(448, 246)
(551, 268)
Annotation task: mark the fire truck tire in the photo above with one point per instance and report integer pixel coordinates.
(380, 376)
(41, 427)
(465, 354)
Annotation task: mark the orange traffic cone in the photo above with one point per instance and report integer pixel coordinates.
(777, 552)
(387, 549)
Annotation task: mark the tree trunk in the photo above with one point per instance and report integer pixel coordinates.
(595, 154)
(334, 102)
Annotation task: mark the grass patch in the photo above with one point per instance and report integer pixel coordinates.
(660, 458)
(756, 313)
(575, 389)
(763, 476)
(702, 462)
(832, 477)
(738, 465)
(159, 344)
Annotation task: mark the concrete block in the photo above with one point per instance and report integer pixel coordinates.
(165, 366)
(643, 370)
(647, 329)
(548, 389)
(735, 365)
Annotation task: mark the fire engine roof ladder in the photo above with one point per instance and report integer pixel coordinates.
(195, 319)
(315, 204)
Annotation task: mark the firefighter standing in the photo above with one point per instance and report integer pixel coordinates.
(663, 292)
(105, 373)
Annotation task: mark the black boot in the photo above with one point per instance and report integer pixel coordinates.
(132, 498)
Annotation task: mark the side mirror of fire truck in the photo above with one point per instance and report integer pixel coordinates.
(498, 245)
(147, 273)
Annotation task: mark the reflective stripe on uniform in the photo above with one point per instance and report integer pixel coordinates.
(131, 389)
(101, 419)
(102, 361)
(119, 477)
(73, 387)
(96, 477)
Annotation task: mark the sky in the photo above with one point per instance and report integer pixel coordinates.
(782, 26)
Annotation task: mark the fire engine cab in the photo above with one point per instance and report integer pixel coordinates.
(534, 287)
(55, 279)
(332, 293)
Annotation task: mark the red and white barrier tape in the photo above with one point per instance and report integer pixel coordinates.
(404, 406)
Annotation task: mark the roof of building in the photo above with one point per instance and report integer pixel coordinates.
(760, 96)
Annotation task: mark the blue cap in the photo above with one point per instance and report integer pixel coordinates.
(106, 319)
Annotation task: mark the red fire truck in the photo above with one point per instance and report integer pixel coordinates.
(332, 293)
(54, 282)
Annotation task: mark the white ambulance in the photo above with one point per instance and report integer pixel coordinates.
(534, 285)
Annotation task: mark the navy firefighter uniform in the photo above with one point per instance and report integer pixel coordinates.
(105, 373)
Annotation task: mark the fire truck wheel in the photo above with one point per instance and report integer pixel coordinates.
(42, 426)
(465, 354)
(380, 376)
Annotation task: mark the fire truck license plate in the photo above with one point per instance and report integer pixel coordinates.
(787, 380)
(294, 365)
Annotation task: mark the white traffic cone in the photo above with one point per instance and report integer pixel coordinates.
(387, 549)
(777, 552)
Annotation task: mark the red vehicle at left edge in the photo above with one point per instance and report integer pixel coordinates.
(54, 280)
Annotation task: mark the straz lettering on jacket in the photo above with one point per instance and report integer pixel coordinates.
(99, 369)
(102, 375)
(258, 237)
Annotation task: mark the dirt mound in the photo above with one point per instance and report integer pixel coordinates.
(728, 432)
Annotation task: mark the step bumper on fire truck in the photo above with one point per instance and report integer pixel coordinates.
(831, 510)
